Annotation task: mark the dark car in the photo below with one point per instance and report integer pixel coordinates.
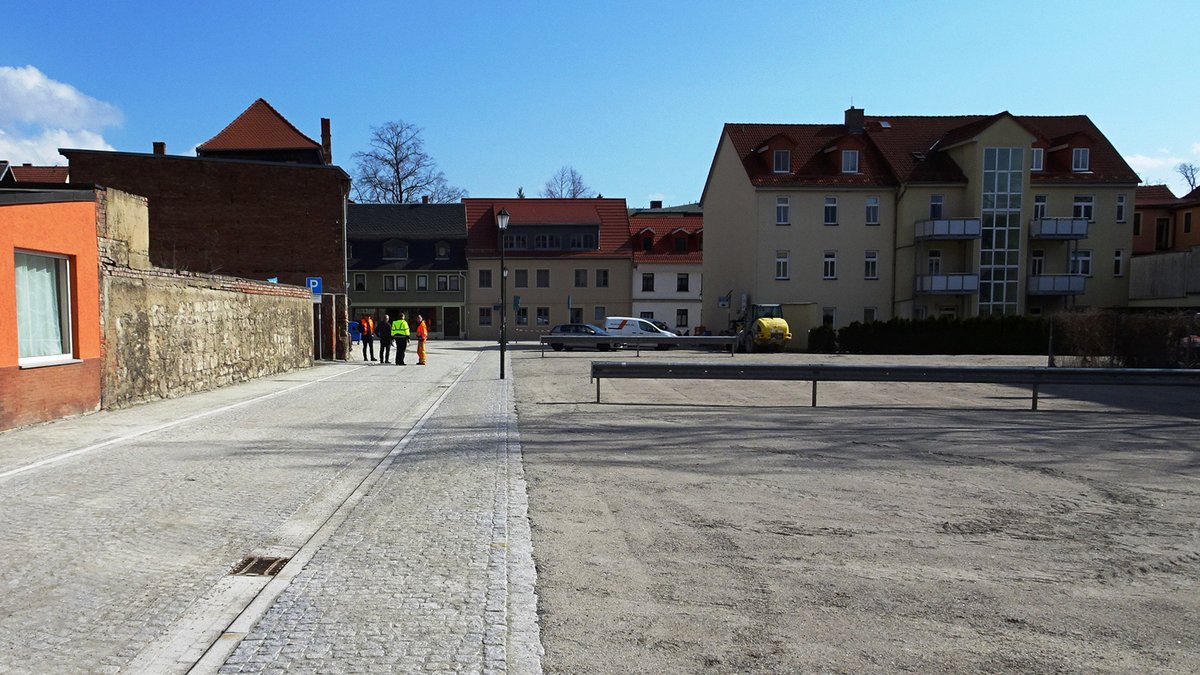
(579, 329)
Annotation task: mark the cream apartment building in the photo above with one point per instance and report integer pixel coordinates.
(668, 248)
(918, 216)
(568, 261)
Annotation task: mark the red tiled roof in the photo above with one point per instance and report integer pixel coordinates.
(1155, 195)
(1194, 194)
(906, 150)
(609, 214)
(665, 228)
(260, 127)
(27, 173)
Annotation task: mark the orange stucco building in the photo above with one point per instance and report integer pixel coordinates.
(50, 344)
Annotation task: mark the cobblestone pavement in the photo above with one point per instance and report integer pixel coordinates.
(431, 571)
(120, 529)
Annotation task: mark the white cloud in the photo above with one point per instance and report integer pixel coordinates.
(32, 98)
(41, 115)
(1145, 164)
(43, 148)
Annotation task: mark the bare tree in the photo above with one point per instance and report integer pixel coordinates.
(566, 182)
(1190, 172)
(396, 169)
(520, 192)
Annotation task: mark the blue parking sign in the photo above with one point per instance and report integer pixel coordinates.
(314, 284)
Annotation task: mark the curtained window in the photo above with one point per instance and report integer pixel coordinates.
(43, 309)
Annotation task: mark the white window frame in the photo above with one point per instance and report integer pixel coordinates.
(360, 281)
(934, 262)
(1039, 207)
(65, 298)
(485, 316)
(938, 201)
(538, 278)
(870, 314)
(1081, 263)
(681, 318)
(1084, 206)
(871, 265)
(1119, 262)
(602, 278)
(783, 211)
(400, 249)
(829, 266)
(647, 282)
(489, 278)
(422, 282)
(1037, 159)
(872, 215)
(831, 314)
(1122, 204)
(849, 161)
(783, 161)
(1081, 159)
(581, 275)
(831, 210)
(443, 282)
(682, 282)
(783, 265)
(542, 316)
(398, 283)
(522, 315)
(1037, 262)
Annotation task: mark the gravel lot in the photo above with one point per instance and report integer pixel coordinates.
(705, 526)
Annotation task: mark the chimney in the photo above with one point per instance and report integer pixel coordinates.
(326, 145)
(160, 148)
(854, 120)
(425, 199)
(656, 203)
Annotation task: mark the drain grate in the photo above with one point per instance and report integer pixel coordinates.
(257, 566)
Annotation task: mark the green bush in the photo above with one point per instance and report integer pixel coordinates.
(943, 335)
(822, 339)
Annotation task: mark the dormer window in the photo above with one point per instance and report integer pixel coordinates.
(849, 161)
(395, 250)
(783, 161)
(442, 250)
(680, 244)
(1080, 159)
(1039, 158)
(647, 242)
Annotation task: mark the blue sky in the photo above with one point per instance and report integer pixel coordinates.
(632, 94)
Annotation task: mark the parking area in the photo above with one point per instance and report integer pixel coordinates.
(708, 526)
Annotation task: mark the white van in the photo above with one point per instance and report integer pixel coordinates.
(628, 325)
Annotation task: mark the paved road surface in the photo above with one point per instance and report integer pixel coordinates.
(398, 492)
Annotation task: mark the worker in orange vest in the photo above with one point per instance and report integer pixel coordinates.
(422, 335)
(367, 327)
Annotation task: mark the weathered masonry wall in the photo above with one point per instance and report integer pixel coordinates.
(168, 333)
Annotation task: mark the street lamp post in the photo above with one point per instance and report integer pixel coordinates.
(502, 224)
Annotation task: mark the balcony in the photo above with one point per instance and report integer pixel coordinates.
(947, 284)
(1058, 228)
(948, 228)
(1056, 284)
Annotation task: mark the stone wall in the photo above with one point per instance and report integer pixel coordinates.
(168, 333)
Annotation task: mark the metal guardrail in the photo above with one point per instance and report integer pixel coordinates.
(637, 341)
(1032, 377)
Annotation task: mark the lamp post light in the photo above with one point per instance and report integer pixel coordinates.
(502, 225)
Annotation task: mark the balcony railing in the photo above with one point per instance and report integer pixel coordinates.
(948, 228)
(948, 284)
(1056, 284)
(1058, 228)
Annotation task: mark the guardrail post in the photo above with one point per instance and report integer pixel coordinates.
(597, 390)
(814, 393)
(1034, 396)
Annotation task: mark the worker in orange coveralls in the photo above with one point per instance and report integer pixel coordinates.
(422, 335)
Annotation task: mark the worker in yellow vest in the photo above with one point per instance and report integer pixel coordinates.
(400, 337)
